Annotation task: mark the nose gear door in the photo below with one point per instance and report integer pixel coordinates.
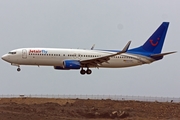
(24, 53)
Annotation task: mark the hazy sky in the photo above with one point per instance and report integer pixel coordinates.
(109, 24)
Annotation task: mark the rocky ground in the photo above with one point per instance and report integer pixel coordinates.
(75, 109)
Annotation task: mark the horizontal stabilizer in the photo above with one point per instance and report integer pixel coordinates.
(162, 54)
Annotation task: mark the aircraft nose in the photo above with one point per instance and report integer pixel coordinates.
(5, 57)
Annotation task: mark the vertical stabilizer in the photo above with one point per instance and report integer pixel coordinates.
(155, 43)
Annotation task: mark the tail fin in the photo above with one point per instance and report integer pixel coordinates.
(155, 43)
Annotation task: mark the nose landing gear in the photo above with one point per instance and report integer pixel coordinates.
(88, 71)
(18, 69)
(17, 65)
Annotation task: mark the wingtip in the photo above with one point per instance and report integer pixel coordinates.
(93, 47)
(173, 52)
(126, 47)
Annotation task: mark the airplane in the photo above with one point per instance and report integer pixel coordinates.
(73, 59)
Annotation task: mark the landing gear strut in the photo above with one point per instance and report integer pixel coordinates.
(18, 69)
(88, 71)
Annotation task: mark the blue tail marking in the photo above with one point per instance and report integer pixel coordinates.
(155, 43)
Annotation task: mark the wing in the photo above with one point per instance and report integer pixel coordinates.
(96, 62)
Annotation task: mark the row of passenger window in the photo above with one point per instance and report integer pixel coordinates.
(74, 55)
(123, 57)
(46, 54)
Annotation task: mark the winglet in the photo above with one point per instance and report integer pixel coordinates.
(92, 47)
(125, 49)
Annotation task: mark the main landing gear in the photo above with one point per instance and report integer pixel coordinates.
(88, 71)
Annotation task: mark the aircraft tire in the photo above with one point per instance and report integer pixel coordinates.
(89, 71)
(82, 72)
(18, 69)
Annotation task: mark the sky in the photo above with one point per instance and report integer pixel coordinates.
(109, 24)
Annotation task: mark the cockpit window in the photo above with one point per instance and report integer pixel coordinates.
(12, 52)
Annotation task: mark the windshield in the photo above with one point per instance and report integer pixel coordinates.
(12, 52)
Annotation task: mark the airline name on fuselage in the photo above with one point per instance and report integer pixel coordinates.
(38, 51)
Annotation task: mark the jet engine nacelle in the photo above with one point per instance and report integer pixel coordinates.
(71, 64)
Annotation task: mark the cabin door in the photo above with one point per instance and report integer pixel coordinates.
(24, 53)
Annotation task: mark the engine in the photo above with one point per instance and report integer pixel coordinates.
(71, 64)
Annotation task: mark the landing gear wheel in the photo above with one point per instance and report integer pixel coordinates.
(18, 69)
(82, 72)
(88, 71)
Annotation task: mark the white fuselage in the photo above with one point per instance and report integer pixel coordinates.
(67, 59)
(56, 56)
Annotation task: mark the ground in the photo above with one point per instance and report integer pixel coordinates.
(76, 109)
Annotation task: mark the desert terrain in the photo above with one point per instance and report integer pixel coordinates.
(77, 109)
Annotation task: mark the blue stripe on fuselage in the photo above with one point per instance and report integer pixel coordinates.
(135, 51)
